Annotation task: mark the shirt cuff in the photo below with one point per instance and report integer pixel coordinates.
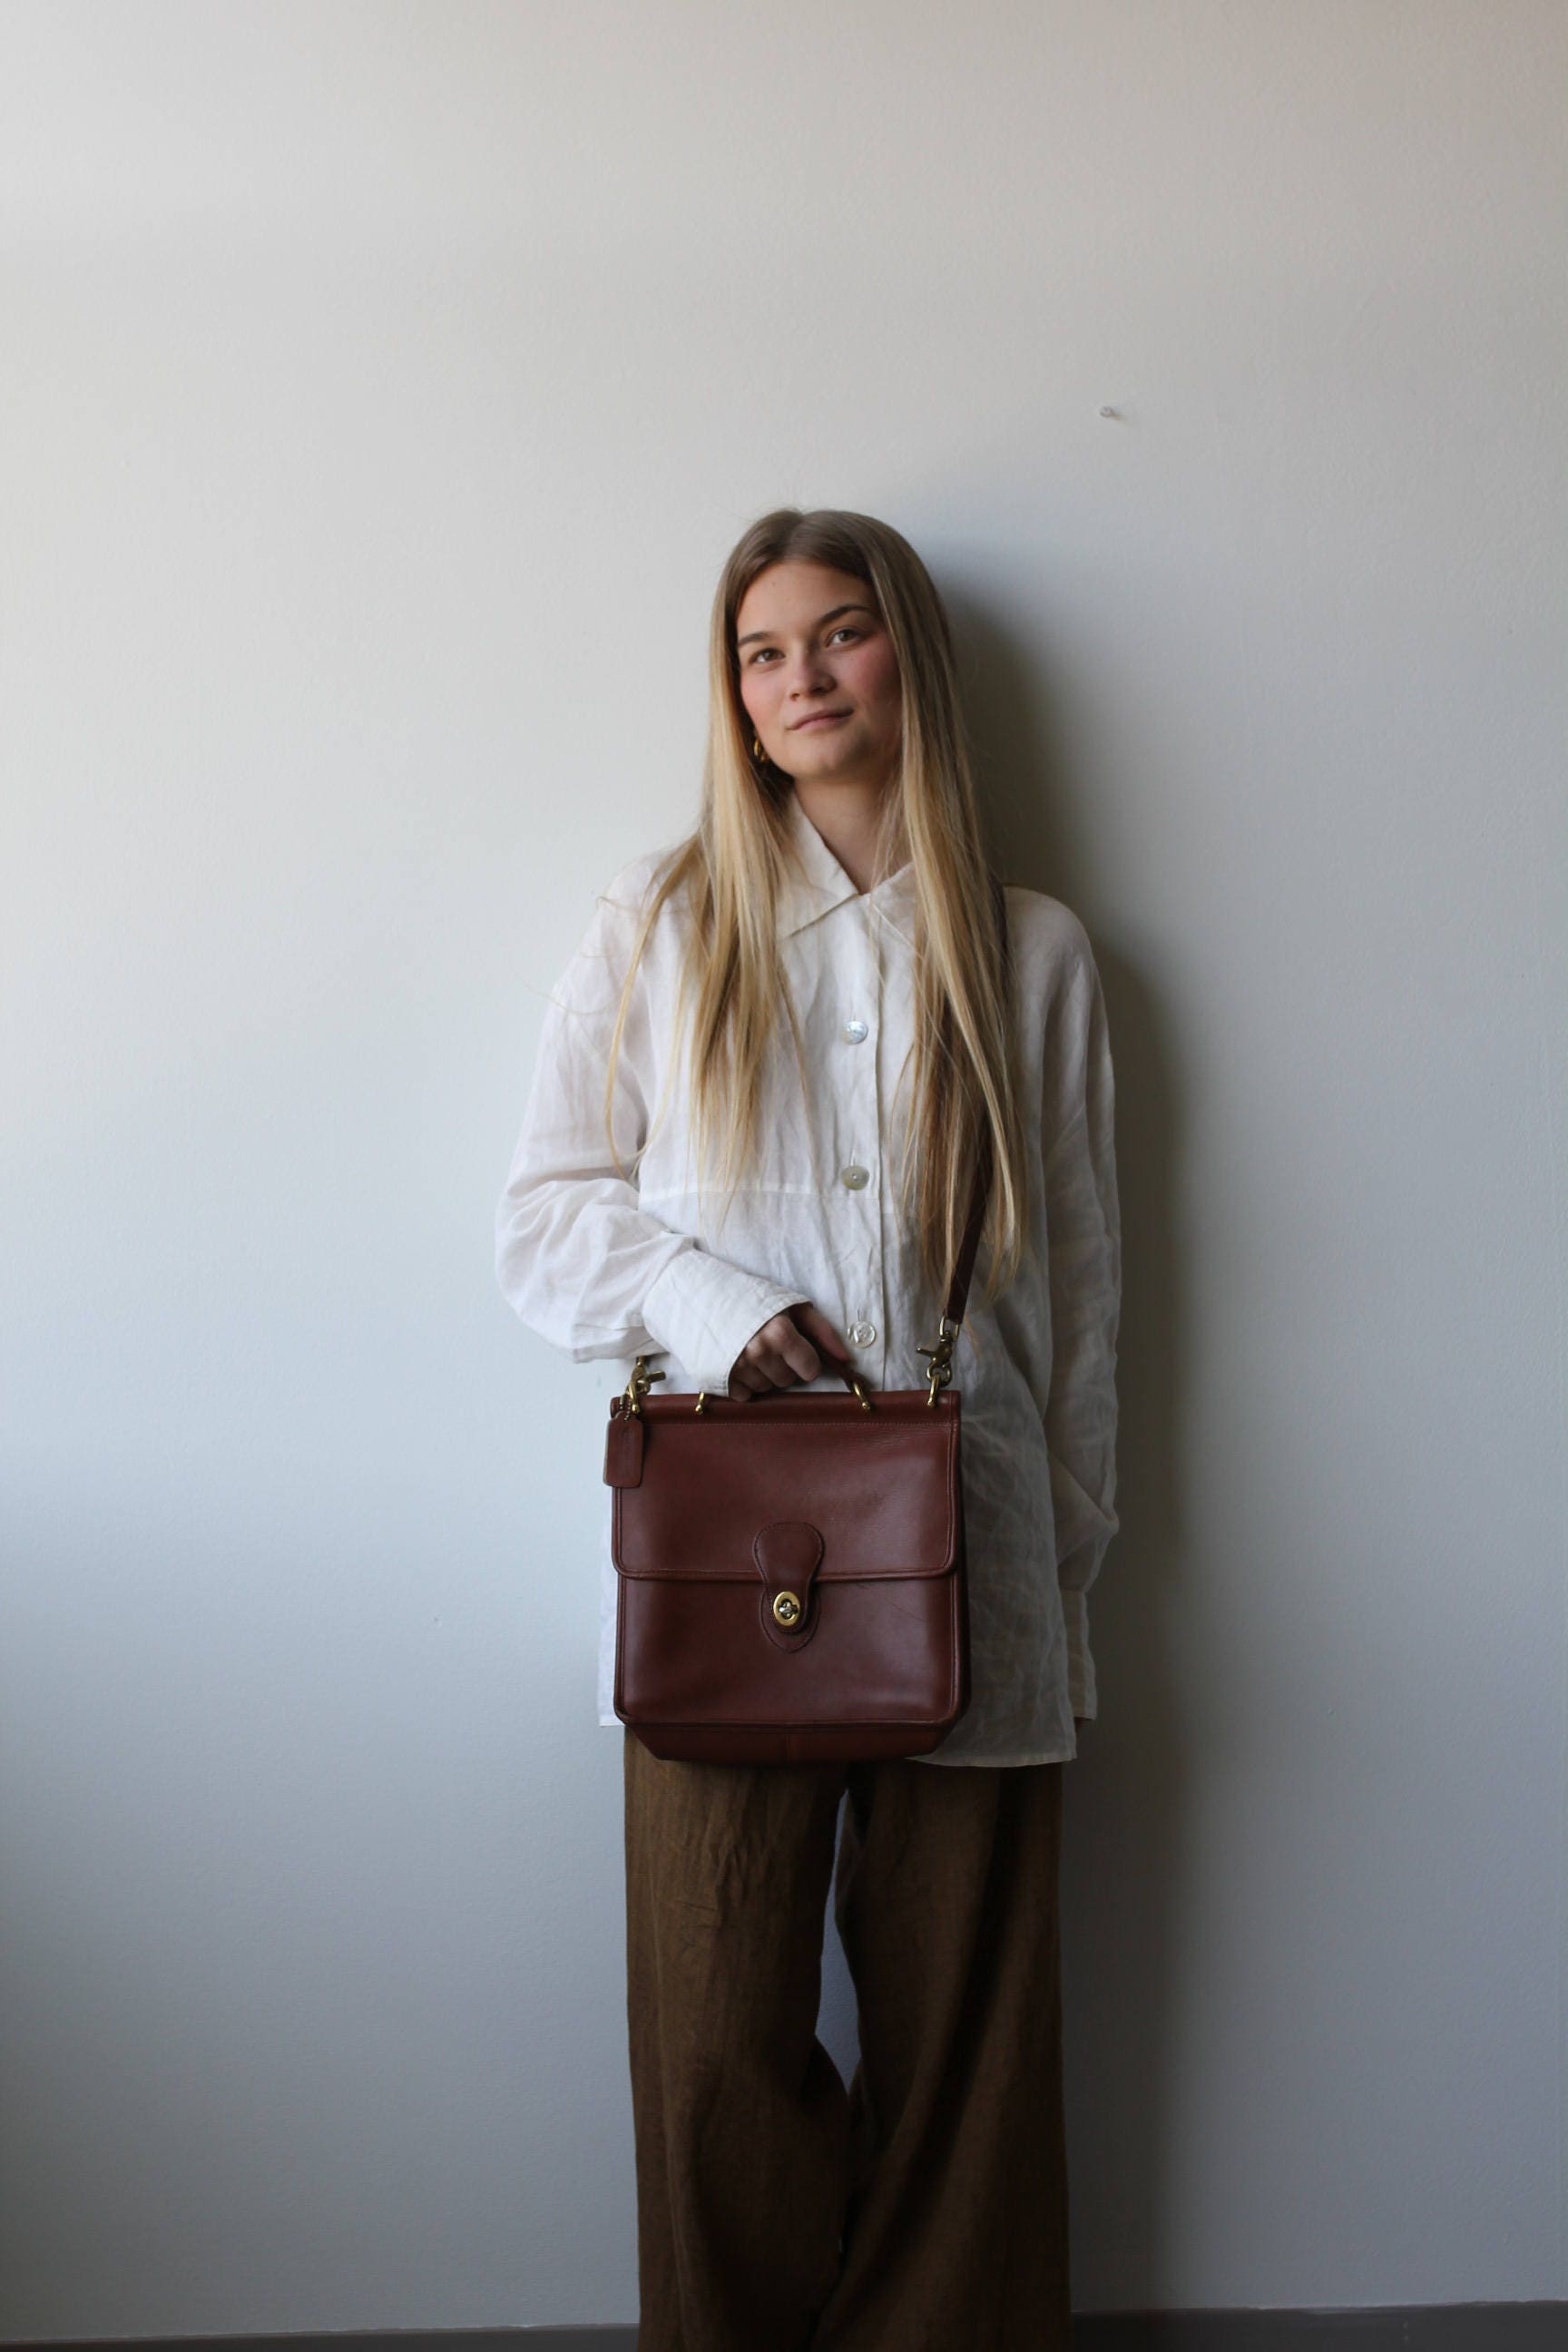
(703, 1310)
(1081, 1663)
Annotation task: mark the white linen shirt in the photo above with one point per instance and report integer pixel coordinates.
(606, 1268)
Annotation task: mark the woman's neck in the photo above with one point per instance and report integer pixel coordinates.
(848, 817)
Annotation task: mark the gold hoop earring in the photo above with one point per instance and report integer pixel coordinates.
(757, 751)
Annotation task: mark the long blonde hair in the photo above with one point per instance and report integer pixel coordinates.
(731, 870)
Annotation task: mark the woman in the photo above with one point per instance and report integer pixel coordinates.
(754, 1006)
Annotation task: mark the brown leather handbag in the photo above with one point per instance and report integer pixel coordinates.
(791, 1575)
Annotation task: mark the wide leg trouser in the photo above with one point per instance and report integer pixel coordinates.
(925, 2209)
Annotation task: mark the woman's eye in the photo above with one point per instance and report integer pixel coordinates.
(845, 629)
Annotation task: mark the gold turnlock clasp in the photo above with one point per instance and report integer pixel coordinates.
(940, 1357)
(787, 1608)
(638, 1387)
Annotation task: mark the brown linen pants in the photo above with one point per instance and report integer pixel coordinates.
(942, 2167)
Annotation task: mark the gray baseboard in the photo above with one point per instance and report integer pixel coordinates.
(1385, 2328)
(1391, 2327)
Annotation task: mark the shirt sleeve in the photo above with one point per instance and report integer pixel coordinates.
(577, 1257)
(1084, 1242)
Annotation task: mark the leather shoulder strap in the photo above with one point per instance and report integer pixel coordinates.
(958, 1290)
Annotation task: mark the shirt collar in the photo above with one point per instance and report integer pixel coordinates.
(815, 882)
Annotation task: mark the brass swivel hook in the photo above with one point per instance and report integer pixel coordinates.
(940, 1357)
(638, 1387)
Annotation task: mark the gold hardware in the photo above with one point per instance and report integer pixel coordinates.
(638, 1387)
(701, 1400)
(787, 1608)
(940, 1357)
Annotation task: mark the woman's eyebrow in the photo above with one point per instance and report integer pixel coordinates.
(821, 623)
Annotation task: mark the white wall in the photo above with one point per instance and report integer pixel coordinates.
(381, 387)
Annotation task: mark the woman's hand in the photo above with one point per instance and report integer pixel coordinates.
(782, 1352)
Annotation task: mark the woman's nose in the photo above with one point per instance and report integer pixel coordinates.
(807, 673)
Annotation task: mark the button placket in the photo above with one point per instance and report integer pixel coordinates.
(862, 1091)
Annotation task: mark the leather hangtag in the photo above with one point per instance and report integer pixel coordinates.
(622, 1450)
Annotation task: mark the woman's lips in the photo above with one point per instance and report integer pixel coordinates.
(822, 719)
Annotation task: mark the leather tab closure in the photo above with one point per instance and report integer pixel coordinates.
(788, 1553)
(623, 1448)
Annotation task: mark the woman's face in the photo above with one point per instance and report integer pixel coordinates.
(809, 643)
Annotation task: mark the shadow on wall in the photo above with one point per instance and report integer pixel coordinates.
(1123, 1858)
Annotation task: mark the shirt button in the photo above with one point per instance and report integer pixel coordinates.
(855, 1030)
(855, 1175)
(862, 1334)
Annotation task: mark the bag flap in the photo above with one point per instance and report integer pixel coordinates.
(881, 1487)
